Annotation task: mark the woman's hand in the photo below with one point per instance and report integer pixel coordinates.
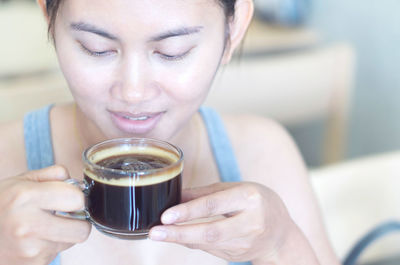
(254, 223)
(29, 232)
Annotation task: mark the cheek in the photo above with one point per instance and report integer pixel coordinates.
(192, 80)
(86, 81)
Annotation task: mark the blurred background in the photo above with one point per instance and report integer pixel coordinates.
(325, 69)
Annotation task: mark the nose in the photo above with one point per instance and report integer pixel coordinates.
(136, 82)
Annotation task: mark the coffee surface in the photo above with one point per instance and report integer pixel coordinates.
(134, 166)
(134, 162)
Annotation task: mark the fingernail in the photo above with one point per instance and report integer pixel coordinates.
(158, 235)
(169, 217)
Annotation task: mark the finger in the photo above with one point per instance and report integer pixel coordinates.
(51, 251)
(64, 230)
(58, 229)
(57, 196)
(202, 234)
(219, 203)
(41, 250)
(193, 193)
(31, 248)
(56, 172)
(63, 246)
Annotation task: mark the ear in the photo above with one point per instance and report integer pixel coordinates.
(238, 26)
(42, 5)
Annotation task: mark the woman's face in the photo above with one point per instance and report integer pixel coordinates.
(139, 68)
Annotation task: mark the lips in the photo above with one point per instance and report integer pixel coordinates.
(136, 123)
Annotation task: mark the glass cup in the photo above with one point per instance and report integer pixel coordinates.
(128, 183)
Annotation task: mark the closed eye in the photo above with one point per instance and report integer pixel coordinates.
(176, 57)
(96, 53)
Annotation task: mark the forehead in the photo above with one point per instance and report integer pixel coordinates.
(159, 13)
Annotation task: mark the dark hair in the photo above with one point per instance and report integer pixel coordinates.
(52, 7)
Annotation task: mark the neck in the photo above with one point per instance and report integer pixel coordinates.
(191, 140)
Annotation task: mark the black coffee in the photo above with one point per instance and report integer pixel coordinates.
(131, 204)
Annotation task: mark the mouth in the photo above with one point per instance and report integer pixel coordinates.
(136, 123)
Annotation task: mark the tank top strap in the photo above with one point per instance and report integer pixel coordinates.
(37, 135)
(222, 150)
(221, 147)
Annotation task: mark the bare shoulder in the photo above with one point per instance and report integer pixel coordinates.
(265, 151)
(12, 158)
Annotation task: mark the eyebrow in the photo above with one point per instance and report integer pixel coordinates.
(177, 32)
(184, 31)
(81, 26)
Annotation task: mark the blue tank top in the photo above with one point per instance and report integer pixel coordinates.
(39, 147)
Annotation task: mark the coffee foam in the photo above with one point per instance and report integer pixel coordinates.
(159, 175)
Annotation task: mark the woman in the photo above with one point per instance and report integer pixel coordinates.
(142, 69)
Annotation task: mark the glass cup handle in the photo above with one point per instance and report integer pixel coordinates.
(79, 215)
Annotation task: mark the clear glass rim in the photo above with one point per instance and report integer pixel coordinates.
(86, 154)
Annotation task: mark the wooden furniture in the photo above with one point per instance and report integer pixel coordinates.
(18, 96)
(357, 195)
(263, 39)
(293, 88)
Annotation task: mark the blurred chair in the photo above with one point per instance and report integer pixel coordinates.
(293, 88)
(20, 95)
(357, 195)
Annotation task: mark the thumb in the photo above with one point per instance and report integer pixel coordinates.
(53, 173)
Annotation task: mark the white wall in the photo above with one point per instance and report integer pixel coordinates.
(373, 27)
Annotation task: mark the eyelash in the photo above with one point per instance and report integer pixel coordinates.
(174, 57)
(95, 54)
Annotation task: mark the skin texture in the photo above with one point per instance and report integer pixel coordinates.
(269, 218)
